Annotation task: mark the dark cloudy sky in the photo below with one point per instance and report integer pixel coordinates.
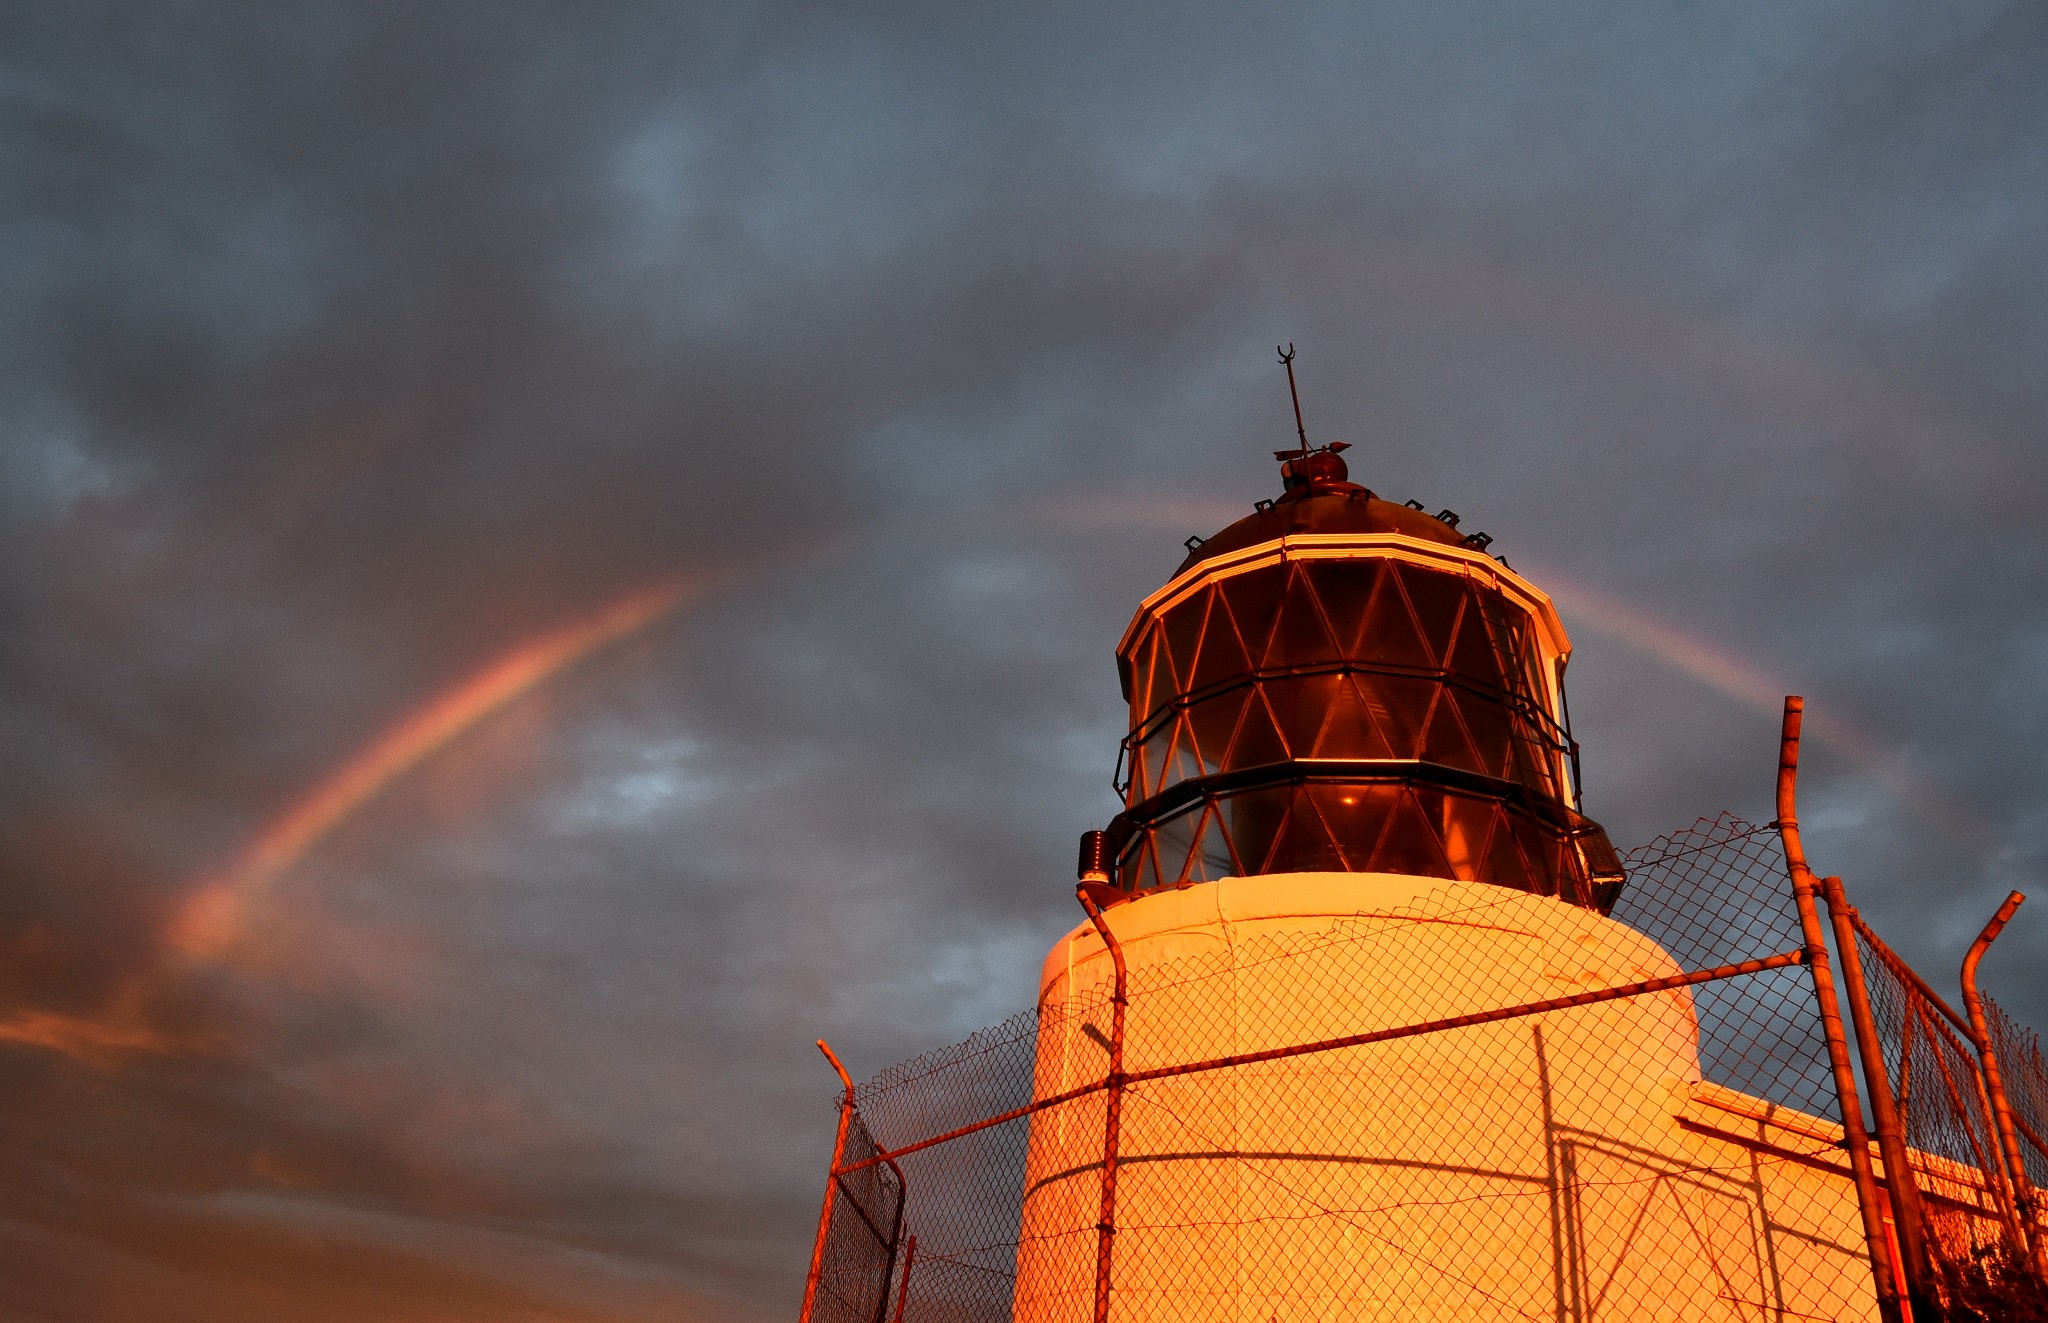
(347, 348)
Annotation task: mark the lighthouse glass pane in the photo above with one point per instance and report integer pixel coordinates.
(1183, 632)
(1300, 638)
(1221, 657)
(1487, 721)
(1438, 600)
(1253, 600)
(1447, 742)
(1213, 723)
(1391, 636)
(1258, 742)
(1345, 588)
(1349, 729)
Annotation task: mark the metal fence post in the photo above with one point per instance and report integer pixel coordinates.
(1908, 1217)
(831, 1184)
(2025, 1204)
(1854, 1137)
(1113, 1103)
(903, 1291)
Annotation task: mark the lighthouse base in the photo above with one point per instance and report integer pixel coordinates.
(1563, 1165)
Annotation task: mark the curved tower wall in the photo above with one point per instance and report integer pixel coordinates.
(1233, 1183)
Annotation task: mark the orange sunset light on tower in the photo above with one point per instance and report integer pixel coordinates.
(1367, 1019)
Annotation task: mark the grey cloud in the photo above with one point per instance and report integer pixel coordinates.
(346, 348)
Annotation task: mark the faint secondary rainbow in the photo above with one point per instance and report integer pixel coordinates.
(207, 921)
(1740, 680)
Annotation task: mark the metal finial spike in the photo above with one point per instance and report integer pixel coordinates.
(1287, 361)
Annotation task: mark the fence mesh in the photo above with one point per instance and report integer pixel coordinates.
(1400, 1098)
(2025, 1073)
(862, 1234)
(1939, 1094)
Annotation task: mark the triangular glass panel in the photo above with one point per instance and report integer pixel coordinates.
(1222, 656)
(1390, 637)
(1182, 764)
(1145, 690)
(1488, 724)
(1476, 653)
(1305, 844)
(1537, 848)
(1401, 707)
(1465, 826)
(1258, 741)
(1152, 765)
(1253, 600)
(1175, 839)
(1355, 816)
(1214, 722)
(1438, 598)
(1221, 845)
(1300, 638)
(1184, 634)
(1409, 845)
(1302, 702)
(1505, 864)
(1210, 858)
(1256, 817)
(1350, 729)
(1447, 743)
(1345, 589)
(1147, 873)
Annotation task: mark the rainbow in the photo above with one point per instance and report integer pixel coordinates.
(1736, 678)
(209, 918)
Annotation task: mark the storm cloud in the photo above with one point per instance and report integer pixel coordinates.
(346, 350)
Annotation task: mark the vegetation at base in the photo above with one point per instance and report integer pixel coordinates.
(1993, 1287)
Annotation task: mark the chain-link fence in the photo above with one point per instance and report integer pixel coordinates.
(1361, 1096)
(2026, 1084)
(1971, 1188)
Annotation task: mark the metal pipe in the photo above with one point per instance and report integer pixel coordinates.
(2025, 1204)
(1782, 960)
(1909, 1218)
(1854, 1137)
(832, 1177)
(1113, 1103)
(903, 1291)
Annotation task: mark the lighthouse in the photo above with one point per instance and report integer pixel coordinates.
(1351, 802)
(1342, 683)
(1368, 1020)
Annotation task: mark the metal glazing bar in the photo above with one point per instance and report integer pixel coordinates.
(1854, 1137)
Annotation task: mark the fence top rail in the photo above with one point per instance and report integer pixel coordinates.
(1571, 1001)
